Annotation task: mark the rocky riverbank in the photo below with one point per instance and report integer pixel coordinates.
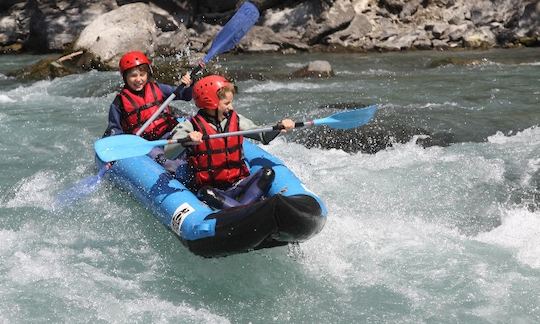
(100, 31)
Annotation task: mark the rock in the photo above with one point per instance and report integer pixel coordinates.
(378, 135)
(54, 25)
(332, 18)
(112, 34)
(352, 36)
(392, 6)
(454, 61)
(315, 69)
(47, 68)
(15, 48)
(438, 29)
(529, 41)
(479, 38)
(211, 6)
(422, 43)
(14, 28)
(529, 22)
(189, 26)
(456, 32)
(289, 19)
(263, 39)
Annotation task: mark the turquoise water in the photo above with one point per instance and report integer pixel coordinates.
(443, 234)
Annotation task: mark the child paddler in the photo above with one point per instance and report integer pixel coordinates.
(220, 175)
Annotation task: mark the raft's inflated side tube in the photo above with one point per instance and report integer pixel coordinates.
(292, 213)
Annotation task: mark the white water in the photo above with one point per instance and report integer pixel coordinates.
(414, 235)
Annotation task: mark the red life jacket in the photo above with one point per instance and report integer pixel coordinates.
(136, 110)
(218, 162)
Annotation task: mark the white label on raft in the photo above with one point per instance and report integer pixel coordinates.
(179, 215)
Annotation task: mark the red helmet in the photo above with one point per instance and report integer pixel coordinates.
(205, 91)
(131, 60)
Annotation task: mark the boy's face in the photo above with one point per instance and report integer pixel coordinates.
(136, 79)
(225, 105)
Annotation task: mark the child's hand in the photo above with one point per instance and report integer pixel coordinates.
(195, 137)
(186, 79)
(287, 124)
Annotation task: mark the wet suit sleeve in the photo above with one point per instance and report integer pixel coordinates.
(182, 94)
(114, 127)
(264, 138)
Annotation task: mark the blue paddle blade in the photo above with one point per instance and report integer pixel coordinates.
(233, 31)
(80, 190)
(120, 147)
(348, 119)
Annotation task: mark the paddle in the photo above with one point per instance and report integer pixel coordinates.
(80, 189)
(229, 36)
(119, 147)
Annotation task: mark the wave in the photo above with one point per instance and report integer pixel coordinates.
(520, 233)
(529, 135)
(79, 264)
(34, 191)
(6, 99)
(273, 86)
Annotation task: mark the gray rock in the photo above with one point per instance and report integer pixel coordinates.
(315, 69)
(423, 43)
(284, 26)
(54, 25)
(479, 38)
(352, 36)
(263, 39)
(438, 29)
(112, 34)
(456, 32)
(332, 18)
(15, 26)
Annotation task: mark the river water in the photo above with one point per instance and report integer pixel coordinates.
(445, 233)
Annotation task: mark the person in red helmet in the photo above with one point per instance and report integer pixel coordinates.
(220, 174)
(140, 98)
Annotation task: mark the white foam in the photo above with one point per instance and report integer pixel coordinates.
(7, 240)
(6, 99)
(284, 86)
(30, 258)
(295, 65)
(35, 191)
(378, 72)
(519, 232)
(527, 136)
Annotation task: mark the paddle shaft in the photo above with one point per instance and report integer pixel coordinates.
(256, 131)
(166, 102)
(187, 140)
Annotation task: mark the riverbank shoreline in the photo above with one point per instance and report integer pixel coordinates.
(283, 27)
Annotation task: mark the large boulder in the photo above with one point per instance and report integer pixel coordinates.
(112, 34)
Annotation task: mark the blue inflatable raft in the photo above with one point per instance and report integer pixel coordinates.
(290, 213)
